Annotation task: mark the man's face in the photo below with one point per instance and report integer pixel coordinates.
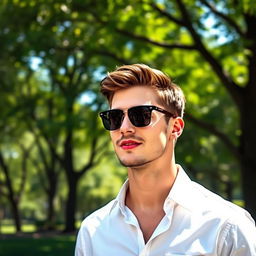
(138, 146)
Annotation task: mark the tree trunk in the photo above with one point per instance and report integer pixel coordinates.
(248, 152)
(71, 204)
(69, 168)
(16, 215)
(52, 177)
(50, 214)
(14, 202)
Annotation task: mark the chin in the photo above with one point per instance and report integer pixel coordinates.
(134, 163)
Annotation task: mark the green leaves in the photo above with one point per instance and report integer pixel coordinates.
(54, 54)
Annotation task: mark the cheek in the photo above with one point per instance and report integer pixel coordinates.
(113, 138)
(163, 139)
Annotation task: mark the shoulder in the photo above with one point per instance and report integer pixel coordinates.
(84, 244)
(213, 204)
(236, 227)
(98, 216)
(203, 203)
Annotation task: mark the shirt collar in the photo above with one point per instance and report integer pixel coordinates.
(120, 199)
(182, 192)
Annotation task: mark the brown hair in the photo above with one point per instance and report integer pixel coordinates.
(170, 95)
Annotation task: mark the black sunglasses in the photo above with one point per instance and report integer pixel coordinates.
(139, 116)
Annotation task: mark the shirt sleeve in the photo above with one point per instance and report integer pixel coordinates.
(83, 243)
(238, 238)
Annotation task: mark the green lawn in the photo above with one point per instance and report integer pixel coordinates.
(32, 243)
(10, 229)
(51, 246)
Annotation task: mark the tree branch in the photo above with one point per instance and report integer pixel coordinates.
(227, 81)
(49, 141)
(213, 130)
(231, 22)
(70, 73)
(112, 55)
(8, 182)
(40, 174)
(166, 14)
(148, 40)
(26, 152)
(40, 149)
(1, 189)
(91, 160)
(55, 81)
(104, 153)
(94, 149)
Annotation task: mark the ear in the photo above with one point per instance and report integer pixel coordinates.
(177, 128)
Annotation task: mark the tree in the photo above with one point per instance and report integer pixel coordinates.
(14, 153)
(208, 46)
(9, 187)
(52, 109)
(49, 171)
(184, 26)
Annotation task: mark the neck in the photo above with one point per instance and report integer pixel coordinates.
(149, 186)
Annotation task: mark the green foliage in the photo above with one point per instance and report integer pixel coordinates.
(100, 186)
(74, 44)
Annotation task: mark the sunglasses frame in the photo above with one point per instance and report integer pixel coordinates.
(104, 115)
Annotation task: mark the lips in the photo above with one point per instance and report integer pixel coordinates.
(129, 144)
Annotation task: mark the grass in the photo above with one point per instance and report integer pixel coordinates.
(30, 246)
(10, 229)
(7, 227)
(31, 243)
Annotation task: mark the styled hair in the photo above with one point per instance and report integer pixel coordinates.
(170, 95)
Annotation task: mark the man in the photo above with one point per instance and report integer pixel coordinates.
(159, 211)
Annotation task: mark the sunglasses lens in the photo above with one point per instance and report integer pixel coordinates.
(140, 116)
(112, 119)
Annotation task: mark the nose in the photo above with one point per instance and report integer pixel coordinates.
(127, 126)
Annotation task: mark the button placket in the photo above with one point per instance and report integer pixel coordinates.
(132, 220)
(146, 249)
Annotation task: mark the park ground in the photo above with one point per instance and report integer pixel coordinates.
(32, 243)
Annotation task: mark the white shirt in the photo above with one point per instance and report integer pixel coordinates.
(197, 222)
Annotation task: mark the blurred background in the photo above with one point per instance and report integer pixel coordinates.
(56, 161)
